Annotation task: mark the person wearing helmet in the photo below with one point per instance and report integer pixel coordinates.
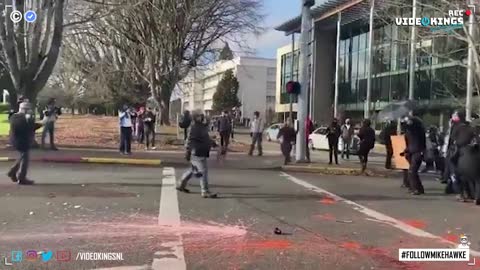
(198, 144)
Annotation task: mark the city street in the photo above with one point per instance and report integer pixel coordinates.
(327, 222)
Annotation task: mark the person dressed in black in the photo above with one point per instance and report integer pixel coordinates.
(367, 142)
(22, 126)
(333, 135)
(287, 137)
(462, 135)
(432, 153)
(185, 123)
(386, 135)
(224, 126)
(149, 126)
(415, 148)
(198, 147)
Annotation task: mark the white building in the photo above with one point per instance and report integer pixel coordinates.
(257, 82)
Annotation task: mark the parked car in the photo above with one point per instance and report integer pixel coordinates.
(272, 131)
(318, 141)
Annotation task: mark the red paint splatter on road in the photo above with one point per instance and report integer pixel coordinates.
(327, 200)
(351, 245)
(326, 216)
(451, 237)
(416, 223)
(264, 244)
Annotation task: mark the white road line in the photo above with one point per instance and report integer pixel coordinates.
(169, 215)
(375, 216)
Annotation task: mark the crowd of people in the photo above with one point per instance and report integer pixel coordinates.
(139, 124)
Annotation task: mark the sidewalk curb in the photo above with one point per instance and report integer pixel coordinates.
(93, 160)
(337, 171)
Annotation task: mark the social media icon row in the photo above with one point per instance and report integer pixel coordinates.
(30, 16)
(44, 256)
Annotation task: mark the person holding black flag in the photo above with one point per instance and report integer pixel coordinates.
(22, 126)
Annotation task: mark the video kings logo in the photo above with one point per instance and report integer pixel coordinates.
(453, 18)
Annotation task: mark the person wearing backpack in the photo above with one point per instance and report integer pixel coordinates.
(185, 123)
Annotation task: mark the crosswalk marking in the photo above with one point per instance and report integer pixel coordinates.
(169, 215)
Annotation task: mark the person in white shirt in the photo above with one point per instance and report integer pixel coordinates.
(256, 132)
(51, 114)
(125, 130)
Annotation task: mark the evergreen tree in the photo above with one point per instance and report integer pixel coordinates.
(226, 53)
(226, 96)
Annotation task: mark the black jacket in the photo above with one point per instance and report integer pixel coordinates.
(462, 134)
(415, 136)
(149, 116)
(333, 133)
(224, 124)
(22, 131)
(199, 142)
(367, 137)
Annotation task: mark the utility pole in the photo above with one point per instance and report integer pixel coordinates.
(413, 50)
(337, 67)
(302, 111)
(292, 66)
(368, 100)
(471, 51)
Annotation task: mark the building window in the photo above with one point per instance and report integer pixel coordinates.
(271, 71)
(271, 85)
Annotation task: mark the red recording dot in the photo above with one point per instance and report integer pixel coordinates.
(468, 12)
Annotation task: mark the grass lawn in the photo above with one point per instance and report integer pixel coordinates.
(4, 124)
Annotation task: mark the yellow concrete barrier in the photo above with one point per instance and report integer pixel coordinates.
(125, 161)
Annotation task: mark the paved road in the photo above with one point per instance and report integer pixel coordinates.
(88, 208)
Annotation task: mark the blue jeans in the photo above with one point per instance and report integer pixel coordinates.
(198, 169)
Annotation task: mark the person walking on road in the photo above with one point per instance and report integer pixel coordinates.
(185, 123)
(386, 135)
(149, 120)
(224, 130)
(125, 130)
(415, 148)
(367, 142)
(198, 147)
(333, 135)
(51, 114)
(347, 136)
(22, 125)
(256, 132)
(286, 136)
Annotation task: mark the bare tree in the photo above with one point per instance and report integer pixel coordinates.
(173, 36)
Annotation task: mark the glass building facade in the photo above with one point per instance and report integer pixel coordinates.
(286, 74)
(439, 76)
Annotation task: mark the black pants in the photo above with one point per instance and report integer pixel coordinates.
(415, 160)
(388, 161)
(140, 134)
(50, 129)
(150, 136)
(185, 134)
(125, 139)
(286, 151)
(363, 152)
(333, 150)
(20, 165)
(346, 148)
(224, 140)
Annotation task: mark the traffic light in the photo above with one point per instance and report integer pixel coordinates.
(293, 87)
